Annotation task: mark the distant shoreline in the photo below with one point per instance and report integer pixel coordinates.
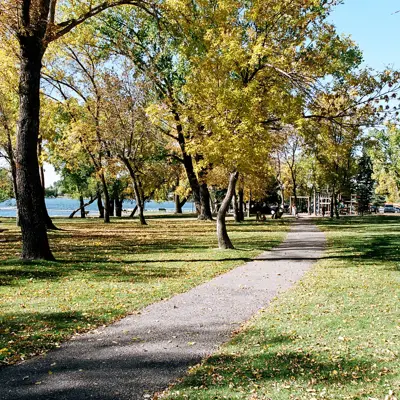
(63, 206)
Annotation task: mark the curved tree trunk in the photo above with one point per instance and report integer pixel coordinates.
(223, 239)
(133, 212)
(30, 200)
(183, 202)
(82, 207)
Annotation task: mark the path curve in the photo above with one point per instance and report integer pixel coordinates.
(144, 353)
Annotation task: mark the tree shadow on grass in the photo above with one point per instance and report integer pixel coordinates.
(223, 373)
(351, 222)
(46, 328)
(101, 262)
(376, 240)
(99, 269)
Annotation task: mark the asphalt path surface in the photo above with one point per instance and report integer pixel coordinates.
(144, 353)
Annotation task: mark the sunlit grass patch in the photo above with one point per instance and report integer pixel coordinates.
(336, 335)
(104, 272)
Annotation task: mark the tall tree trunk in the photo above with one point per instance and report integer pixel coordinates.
(205, 205)
(111, 207)
(315, 202)
(100, 205)
(10, 153)
(336, 207)
(82, 206)
(139, 200)
(106, 199)
(249, 205)
(223, 239)
(241, 204)
(178, 207)
(48, 221)
(177, 200)
(332, 203)
(118, 206)
(235, 207)
(188, 164)
(30, 200)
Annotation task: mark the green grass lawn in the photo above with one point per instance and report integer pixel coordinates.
(335, 335)
(104, 272)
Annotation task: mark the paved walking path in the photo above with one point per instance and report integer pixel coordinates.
(142, 354)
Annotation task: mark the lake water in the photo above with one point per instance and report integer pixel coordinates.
(63, 207)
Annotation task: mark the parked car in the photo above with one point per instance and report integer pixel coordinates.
(389, 209)
(397, 209)
(381, 210)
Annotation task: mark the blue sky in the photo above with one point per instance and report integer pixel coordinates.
(372, 24)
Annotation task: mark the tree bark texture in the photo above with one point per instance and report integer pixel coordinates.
(205, 199)
(118, 207)
(205, 205)
(336, 206)
(82, 206)
(200, 192)
(106, 199)
(48, 221)
(223, 239)
(100, 205)
(11, 156)
(111, 207)
(178, 208)
(188, 165)
(139, 200)
(30, 199)
(235, 207)
(241, 204)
